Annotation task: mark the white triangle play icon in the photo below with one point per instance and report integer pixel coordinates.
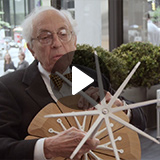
(79, 80)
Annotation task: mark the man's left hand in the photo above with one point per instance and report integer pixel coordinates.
(93, 92)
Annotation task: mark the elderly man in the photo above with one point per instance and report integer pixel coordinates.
(49, 34)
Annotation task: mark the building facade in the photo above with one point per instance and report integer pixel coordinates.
(107, 23)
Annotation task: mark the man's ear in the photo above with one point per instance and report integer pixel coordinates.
(30, 49)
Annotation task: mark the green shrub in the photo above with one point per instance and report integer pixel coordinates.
(148, 73)
(111, 66)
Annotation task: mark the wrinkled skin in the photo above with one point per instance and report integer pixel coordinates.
(63, 144)
(51, 21)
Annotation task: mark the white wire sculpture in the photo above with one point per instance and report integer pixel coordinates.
(105, 112)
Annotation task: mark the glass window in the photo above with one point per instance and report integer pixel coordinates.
(19, 10)
(92, 19)
(141, 21)
(12, 20)
(153, 22)
(105, 25)
(134, 20)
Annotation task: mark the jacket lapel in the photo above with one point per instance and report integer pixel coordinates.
(36, 87)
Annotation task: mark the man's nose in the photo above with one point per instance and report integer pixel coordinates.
(56, 41)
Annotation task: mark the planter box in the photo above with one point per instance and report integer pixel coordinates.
(139, 94)
(135, 94)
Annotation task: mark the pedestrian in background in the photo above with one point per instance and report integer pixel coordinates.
(8, 64)
(22, 64)
(7, 46)
(153, 32)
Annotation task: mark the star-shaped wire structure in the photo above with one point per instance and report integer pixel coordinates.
(105, 112)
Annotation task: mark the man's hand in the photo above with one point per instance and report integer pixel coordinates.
(63, 144)
(93, 92)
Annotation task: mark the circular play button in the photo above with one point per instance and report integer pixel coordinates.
(74, 73)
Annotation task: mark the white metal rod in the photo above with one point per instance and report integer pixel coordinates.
(100, 132)
(133, 128)
(112, 138)
(134, 105)
(99, 78)
(94, 155)
(78, 124)
(69, 114)
(84, 122)
(88, 135)
(118, 92)
(109, 148)
(86, 156)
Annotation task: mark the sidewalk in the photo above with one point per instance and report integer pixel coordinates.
(149, 149)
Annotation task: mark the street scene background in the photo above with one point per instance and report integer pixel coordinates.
(14, 55)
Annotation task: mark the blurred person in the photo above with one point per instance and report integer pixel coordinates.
(8, 63)
(23, 44)
(49, 34)
(7, 46)
(22, 64)
(153, 32)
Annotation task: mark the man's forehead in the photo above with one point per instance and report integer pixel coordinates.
(50, 14)
(50, 17)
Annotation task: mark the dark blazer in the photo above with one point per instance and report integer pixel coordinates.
(22, 95)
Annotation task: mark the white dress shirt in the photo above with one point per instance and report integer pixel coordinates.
(66, 90)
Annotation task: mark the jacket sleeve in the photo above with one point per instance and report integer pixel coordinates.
(13, 145)
(138, 118)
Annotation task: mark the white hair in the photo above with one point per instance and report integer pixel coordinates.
(27, 24)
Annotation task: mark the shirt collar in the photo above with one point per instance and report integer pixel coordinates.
(43, 71)
(46, 73)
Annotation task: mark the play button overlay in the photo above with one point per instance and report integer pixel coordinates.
(80, 80)
(81, 63)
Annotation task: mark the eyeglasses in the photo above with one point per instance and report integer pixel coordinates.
(46, 37)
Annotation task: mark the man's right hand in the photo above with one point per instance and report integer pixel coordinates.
(63, 144)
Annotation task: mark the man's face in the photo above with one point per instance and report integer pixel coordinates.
(51, 21)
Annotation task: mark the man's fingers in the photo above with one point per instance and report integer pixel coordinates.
(118, 102)
(92, 90)
(108, 97)
(93, 142)
(90, 144)
(93, 93)
(95, 96)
